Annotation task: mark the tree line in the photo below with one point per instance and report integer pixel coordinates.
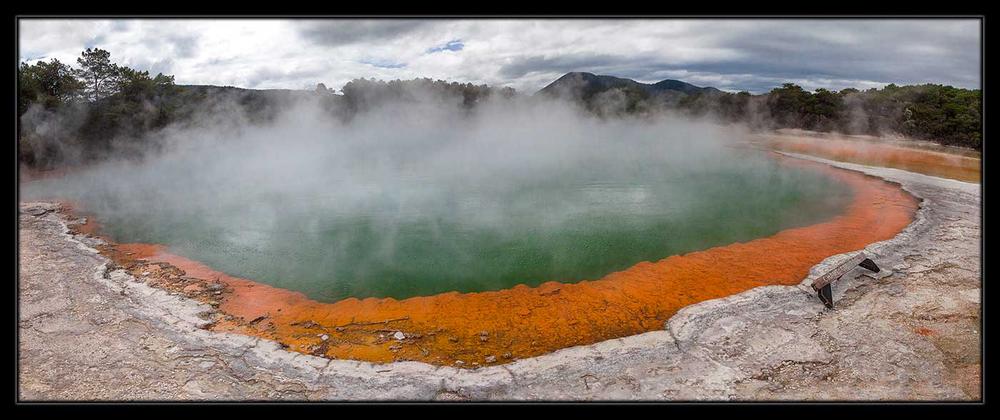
(77, 114)
(943, 114)
(53, 84)
(360, 94)
(71, 113)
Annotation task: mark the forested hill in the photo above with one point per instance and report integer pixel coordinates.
(75, 114)
(585, 86)
(609, 95)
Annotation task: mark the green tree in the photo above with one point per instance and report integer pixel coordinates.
(50, 84)
(825, 108)
(134, 84)
(98, 73)
(788, 104)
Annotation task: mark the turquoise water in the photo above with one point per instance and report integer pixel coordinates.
(410, 235)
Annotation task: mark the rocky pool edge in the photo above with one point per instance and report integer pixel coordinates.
(681, 362)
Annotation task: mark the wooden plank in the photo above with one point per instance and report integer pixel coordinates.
(826, 295)
(838, 271)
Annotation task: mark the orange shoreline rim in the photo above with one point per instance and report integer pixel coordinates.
(929, 162)
(484, 328)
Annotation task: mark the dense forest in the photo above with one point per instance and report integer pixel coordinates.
(943, 114)
(78, 114)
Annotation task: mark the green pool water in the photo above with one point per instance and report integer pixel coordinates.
(420, 235)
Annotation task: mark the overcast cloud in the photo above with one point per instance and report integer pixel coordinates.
(754, 55)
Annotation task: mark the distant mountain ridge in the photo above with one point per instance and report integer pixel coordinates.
(585, 85)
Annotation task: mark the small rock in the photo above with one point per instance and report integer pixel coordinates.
(37, 211)
(971, 295)
(459, 362)
(307, 324)
(507, 355)
(399, 335)
(491, 359)
(324, 337)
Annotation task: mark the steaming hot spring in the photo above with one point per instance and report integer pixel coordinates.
(419, 234)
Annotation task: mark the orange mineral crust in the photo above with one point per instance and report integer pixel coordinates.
(928, 162)
(475, 329)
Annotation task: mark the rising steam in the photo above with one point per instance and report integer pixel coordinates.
(253, 191)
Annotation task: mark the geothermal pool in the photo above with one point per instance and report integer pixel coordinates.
(422, 234)
(479, 239)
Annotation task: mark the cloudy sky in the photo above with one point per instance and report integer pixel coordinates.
(753, 55)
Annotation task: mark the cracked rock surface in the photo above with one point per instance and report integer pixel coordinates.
(88, 332)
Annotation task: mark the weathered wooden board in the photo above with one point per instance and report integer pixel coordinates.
(826, 295)
(838, 271)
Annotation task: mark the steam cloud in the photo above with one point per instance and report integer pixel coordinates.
(251, 186)
(434, 141)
